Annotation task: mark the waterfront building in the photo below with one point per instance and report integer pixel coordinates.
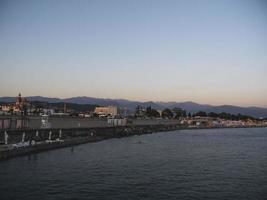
(6, 108)
(21, 106)
(106, 111)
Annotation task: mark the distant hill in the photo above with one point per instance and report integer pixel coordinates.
(7, 99)
(90, 100)
(31, 98)
(70, 106)
(48, 99)
(251, 111)
(195, 107)
(189, 106)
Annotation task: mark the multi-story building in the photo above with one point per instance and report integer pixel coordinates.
(105, 111)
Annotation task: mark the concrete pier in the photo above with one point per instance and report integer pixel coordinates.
(36, 140)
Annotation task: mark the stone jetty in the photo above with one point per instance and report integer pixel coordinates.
(21, 142)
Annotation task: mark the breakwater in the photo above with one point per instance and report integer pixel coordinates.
(22, 142)
(34, 122)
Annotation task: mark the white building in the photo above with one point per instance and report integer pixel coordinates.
(117, 122)
(105, 111)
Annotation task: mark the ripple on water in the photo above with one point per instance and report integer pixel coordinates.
(188, 164)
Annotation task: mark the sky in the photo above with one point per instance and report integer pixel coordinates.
(206, 51)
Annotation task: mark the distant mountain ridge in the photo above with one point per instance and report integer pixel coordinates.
(189, 106)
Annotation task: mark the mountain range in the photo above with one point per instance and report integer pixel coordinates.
(189, 106)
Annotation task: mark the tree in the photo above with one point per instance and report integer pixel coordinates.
(212, 114)
(167, 113)
(201, 114)
(230, 116)
(150, 112)
(179, 112)
(225, 115)
(189, 115)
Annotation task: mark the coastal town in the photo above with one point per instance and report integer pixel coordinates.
(27, 127)
(23, 114)
(133, 99)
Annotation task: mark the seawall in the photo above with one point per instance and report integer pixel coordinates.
(22, 142)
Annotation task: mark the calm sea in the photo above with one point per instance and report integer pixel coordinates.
(186, 164)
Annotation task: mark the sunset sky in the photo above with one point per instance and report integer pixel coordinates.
(206, 51)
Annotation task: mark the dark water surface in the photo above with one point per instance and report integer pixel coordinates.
(187, 164)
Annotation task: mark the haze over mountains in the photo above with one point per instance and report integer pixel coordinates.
(191, 107)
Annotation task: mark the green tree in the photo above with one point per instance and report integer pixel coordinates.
(201, 114)
(212, 114)
(179, 112)
(150, 112)
(167, 113)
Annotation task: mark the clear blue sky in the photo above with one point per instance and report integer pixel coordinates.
(193, 50)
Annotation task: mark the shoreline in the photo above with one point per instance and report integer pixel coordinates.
(99, 134)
